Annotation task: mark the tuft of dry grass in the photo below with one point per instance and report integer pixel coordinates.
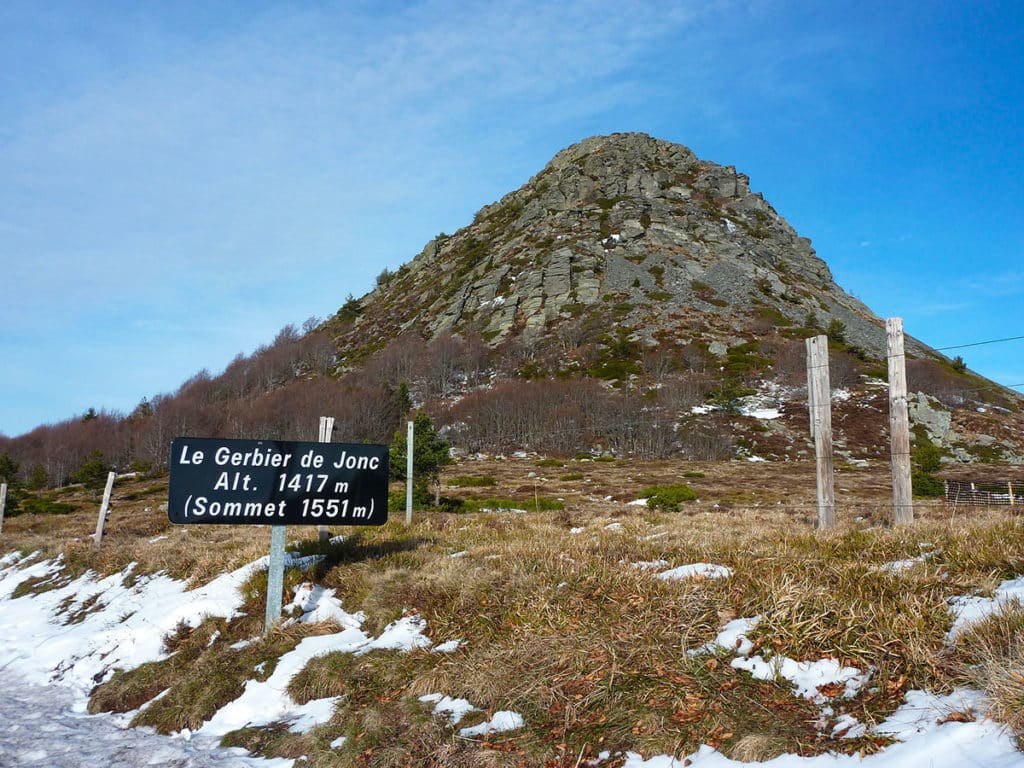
(758, 748)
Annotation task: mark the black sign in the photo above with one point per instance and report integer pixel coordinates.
(273, 482)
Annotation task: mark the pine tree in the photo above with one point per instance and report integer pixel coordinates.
(430, 454)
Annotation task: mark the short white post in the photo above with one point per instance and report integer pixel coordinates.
(326, 432)
(819, 393)
(408, 473)
(3, 503)
(98, 537)
(899, 424)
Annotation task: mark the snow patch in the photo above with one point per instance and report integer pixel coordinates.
(696, 571)
(502, 721)
(969, 609)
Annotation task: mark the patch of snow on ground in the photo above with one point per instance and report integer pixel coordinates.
(765, 414)
(848, 727)
(732, 637)
(637, 503)
(454, 709)
(319, 604)
(924, 738)
(806, 677)
(899, 566)
(502, 721)
(125, 627)
(696, 571)
(40, 729)
(967, 610)
(449, 647)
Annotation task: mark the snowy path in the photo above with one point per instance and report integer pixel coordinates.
(39, 729)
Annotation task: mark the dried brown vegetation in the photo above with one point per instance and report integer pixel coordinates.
(557, 624)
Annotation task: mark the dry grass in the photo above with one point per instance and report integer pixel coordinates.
(557, 625)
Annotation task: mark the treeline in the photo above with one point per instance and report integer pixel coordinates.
(278, 391)
(476, 395)
(581, 391)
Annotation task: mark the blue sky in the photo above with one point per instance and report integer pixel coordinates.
(182, 179)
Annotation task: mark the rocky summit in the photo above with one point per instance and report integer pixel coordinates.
(675, 248)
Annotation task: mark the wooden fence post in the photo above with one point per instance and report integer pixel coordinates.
(326, 433)
(819, 394)
(3, 504)
(1009, 487)
(98, 536)
(899, 424)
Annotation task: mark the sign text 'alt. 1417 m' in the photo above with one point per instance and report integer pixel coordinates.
(274, 482)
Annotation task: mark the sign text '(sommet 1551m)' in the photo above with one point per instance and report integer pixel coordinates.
(331, 509)
(277, 482)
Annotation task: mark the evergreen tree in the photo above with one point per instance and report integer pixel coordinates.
(430, 454)
(92, 473)
(8, 470)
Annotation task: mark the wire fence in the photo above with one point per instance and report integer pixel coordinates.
(999, 494)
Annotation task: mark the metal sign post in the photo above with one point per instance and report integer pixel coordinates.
(408, 474)
(275, 576)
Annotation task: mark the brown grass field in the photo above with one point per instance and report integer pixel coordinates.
(559, 627)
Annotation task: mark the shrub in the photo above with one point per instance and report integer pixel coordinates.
(668, 497)
(92, 473)
(926, 485)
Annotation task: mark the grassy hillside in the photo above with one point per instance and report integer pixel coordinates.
(561, 617)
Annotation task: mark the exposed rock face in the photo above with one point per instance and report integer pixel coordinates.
(927, 412)
(679, 247)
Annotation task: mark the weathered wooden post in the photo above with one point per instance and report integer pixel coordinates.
(899, 424)
(326, 433)
(1009, 487)
(3, 503)
(819, 393)
(98, 536)
(408, 473)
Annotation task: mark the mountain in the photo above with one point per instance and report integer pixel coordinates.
(629, 299)
(674, 248)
